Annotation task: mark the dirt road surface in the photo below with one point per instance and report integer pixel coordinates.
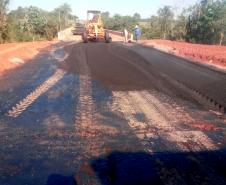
(109, 114)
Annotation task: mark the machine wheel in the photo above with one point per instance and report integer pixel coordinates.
(107, 37)
(84, 37)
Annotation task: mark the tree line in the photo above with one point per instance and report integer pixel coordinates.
(204, 22)
(33, 23)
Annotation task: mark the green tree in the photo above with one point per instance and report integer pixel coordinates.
(219, 21)
(63, 13)
(106, 20)
(118, 22)
(166, 17)
(179, 29)
(206, 22)
(34, 22)
(152, 31)
(14, 18)
(137, 16)
(3, 20)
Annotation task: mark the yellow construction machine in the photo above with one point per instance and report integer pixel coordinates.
(94, 29)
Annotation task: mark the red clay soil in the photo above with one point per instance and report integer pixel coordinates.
(205, 126)
(14, 54)
(209, 54)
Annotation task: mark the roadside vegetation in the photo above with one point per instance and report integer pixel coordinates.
(204, 22)
(33, 23)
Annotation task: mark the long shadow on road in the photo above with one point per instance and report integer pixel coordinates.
(120, 168)
(133, 168)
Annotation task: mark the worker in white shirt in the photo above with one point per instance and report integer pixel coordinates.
(125, 32)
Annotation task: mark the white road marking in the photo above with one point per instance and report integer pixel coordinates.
(45, 86)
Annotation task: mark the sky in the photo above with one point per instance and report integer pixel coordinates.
(145, 8)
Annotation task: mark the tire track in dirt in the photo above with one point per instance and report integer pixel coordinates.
(160, 127)
(163, 117)
(87, 125)
(84, 118)
(163, 120)
(20, 107)
(143, 131)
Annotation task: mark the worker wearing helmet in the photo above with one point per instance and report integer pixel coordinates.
(137, 32)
